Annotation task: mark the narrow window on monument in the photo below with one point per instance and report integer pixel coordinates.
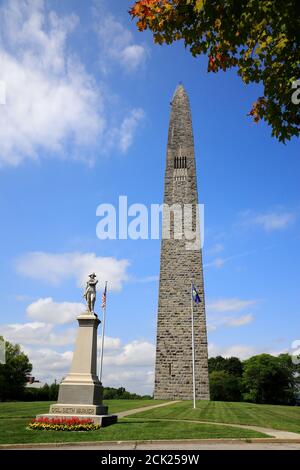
(170, 369)
(171, 224)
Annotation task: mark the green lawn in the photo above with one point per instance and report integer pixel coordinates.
(30, 409)
(14, 418)
(277, 417)
(115, 406)
(13, 431)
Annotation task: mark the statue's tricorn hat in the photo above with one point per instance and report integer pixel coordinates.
(93, 275)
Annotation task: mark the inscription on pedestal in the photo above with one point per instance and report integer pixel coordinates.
(88, 411)
(69, 410)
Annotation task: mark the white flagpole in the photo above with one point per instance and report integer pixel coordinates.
(193, 346)
(102, 339)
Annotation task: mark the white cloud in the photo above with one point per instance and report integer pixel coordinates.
(136, 353)
(137, 381)
(239, 321)
(230, 322)
(49, 96)
(128, 128)
(211, 327)
(22, 298)
(133, 56)
(216, 263)
(217, 309)
(130, 365)
(110, 344)
(116, 44)
(37, 333)
(241, 351)
(52, 103)
(49, 311)
(217, 321)
(273, 221)
(269, 221)
(217, 248)
(57, 267)
(135, 376)
(45, 334)
(229, 305)
(48, 364)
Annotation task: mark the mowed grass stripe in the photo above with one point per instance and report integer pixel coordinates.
(31, 409)
(13, 431)
(145, 425)
(285, 418)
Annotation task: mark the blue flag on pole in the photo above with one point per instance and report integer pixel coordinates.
(195, 295)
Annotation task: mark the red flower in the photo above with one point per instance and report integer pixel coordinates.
(74, 420)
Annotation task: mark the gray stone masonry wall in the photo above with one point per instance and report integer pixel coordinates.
(173, 368)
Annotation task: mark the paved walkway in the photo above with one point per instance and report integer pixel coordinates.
(276, 433)
(172, 445)
(279, 440)
(122, 414)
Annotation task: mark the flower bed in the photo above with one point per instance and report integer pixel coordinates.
(63, 424)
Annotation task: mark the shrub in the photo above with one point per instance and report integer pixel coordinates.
(224, 386)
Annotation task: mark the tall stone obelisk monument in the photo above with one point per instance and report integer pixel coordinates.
(180, 264)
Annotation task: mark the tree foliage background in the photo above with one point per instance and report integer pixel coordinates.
(14, 372)
(260, 379)
(261, 38)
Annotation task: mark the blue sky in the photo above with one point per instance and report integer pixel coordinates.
(86, 120)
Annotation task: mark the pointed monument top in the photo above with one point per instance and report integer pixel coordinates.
(180, 129)
(180, 90)
(180, 98)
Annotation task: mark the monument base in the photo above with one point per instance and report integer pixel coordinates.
(78, 409)
(80, 393)
(80, 388)
(102, 420)
(97, 413)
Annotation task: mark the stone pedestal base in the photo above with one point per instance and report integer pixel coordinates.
(78, 389)
(80, 393)
(103, 420)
